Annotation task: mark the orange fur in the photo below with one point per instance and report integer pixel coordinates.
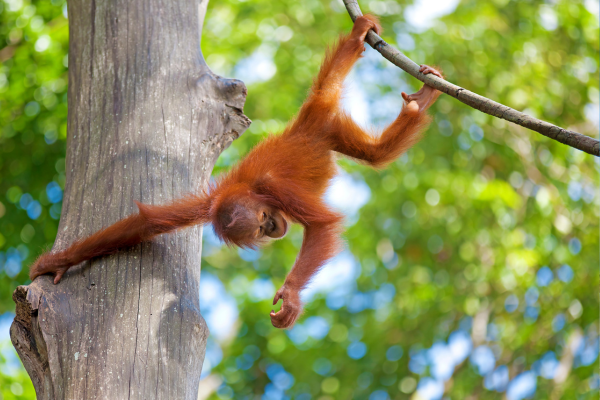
(289, 173)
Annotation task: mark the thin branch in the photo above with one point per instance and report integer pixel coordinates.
(483, 104)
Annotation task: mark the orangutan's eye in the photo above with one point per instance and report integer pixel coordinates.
(264, 215)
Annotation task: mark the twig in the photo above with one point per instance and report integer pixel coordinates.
(483, 104)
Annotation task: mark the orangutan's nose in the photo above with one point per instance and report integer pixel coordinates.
(270, 226)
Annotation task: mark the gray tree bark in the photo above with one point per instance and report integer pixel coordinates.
(147, 120)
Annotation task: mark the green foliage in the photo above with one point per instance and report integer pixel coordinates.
(33, 111)
(14, 381)
(462, 222)
(452, 233)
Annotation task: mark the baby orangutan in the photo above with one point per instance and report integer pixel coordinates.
(282, 180)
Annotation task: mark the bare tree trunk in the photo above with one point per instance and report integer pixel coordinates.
(147, 120)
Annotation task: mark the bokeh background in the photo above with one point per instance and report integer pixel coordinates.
(471, 269)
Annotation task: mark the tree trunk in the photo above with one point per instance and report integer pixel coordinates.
(147, 121)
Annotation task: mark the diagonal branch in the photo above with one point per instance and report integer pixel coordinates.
(483, 104)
